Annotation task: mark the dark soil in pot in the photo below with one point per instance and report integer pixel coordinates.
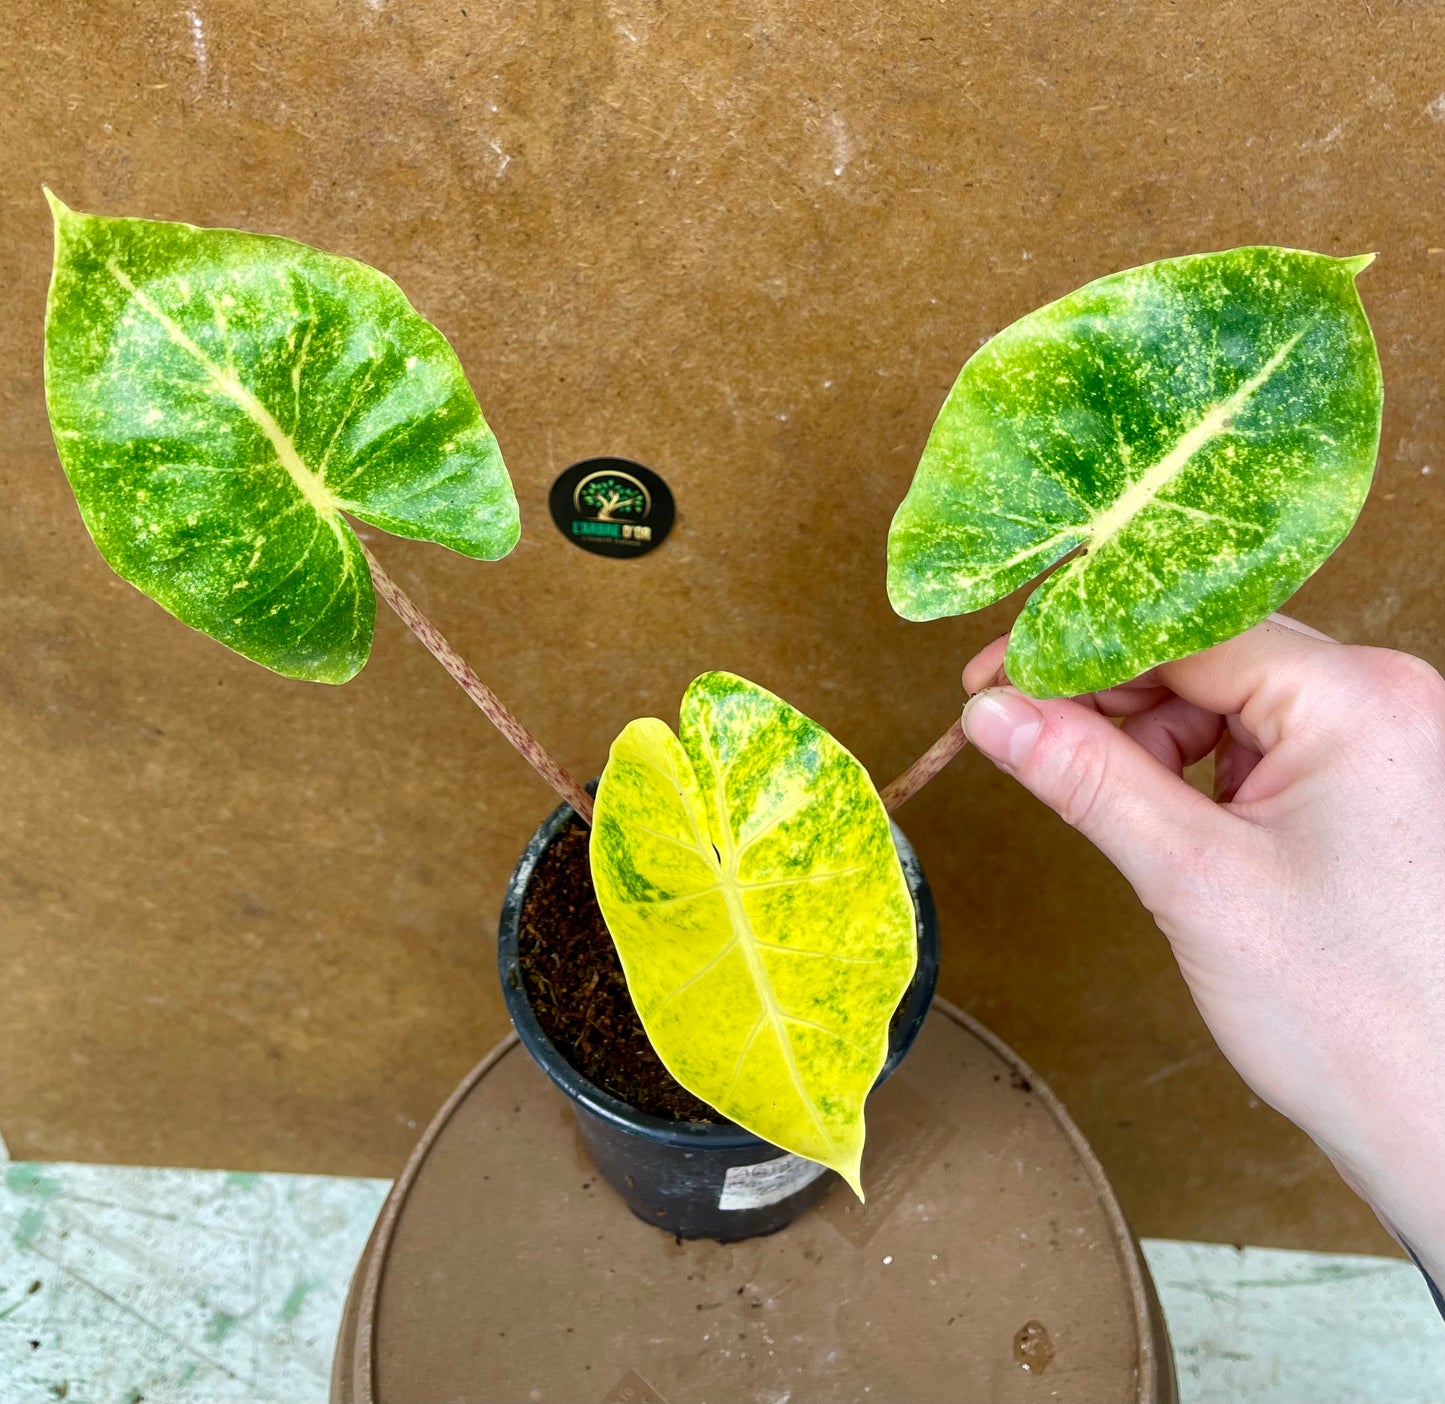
(575, 985)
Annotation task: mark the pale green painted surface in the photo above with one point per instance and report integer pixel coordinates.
(203, 1287)
(1267, 1326)
(173, 1286)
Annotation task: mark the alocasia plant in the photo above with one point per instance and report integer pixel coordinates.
(1200, 431)
(223, 403)
(748, 876)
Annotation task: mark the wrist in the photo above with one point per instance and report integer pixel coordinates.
(1378, 1110)
(1430, 1281)
(1400, 1173)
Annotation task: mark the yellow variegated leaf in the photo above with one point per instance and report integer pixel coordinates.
(1201, 431)
(220, 400)
(748, 876)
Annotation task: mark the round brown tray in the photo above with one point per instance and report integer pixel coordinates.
(990, 1262)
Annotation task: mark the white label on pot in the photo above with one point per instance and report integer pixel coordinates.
(756, 1186)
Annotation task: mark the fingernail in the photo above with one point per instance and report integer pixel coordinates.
(1002, 724)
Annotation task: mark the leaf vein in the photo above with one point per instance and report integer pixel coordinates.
(1214, 421)
(823, 1028)
(697, 975)
(798, 881)
(825, 955)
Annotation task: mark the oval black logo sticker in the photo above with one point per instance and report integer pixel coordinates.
(612, 507)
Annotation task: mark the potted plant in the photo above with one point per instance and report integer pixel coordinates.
(223, 403)
(748, 941)
(714, 977)
(1192, 439)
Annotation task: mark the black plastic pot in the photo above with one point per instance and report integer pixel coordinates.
(696, 1179)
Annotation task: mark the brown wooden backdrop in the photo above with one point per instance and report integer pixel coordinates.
(248, 922)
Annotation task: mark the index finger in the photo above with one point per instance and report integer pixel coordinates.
(1221, 679)
(986, 669)
(1263, 676)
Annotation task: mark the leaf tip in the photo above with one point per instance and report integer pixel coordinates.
(333, 670)
(59, 210)
(1357, 265)
(852, 1175)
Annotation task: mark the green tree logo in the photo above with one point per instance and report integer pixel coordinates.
(613, 497)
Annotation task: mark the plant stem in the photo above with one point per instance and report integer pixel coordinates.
(530, 749)
(900, 791)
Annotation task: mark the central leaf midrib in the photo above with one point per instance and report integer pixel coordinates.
(1147, 488)
(311, 485)
(727, 864)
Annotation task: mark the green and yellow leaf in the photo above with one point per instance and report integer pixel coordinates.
(219, 400)
(748, 876)
(1202, 431)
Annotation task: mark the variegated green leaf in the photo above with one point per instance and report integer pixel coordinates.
(748, 876)
(1202, 431)
(219, 399)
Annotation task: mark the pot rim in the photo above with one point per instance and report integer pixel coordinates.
(695, 1134)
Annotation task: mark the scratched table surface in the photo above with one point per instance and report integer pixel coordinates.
(138, 1286)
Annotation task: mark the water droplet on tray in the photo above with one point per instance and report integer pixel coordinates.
(1033, 1348)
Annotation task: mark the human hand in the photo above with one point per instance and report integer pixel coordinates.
(1306, 905)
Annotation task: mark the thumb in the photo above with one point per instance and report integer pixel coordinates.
(1143, 817)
